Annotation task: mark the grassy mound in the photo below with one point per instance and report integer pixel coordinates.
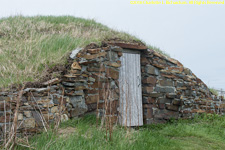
(202, 133)
(29, 44)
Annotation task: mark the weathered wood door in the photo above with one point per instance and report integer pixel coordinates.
(131, 113)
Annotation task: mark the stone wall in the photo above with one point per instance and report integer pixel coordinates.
(91, 79)
(172, 91)
(169, 91)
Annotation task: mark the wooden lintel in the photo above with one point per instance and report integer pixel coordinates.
(128, 45)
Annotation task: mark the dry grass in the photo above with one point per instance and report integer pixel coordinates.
(29, 44)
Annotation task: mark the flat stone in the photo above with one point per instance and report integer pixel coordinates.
(161, 106)
(148, 113)
(4, 106)
(172, 107)
(177, 102)
(20, 116)
(120, 54)
(96, 69)
(198, 111)
(112, 56)
(111, 108)
(187, 71)
(5, 118)
(182, 88)
(160, 66)
(76, 66)
(151, 70)
(74, 53)
(75, 100)
(166, 82)
(95, 55)
(93, 91)
(4, 93)
(92, 107)
(92, 99)
(41, 101)
(113, 85)
(91, 79)
(155, 94)
(128, 45)
(113, 64)
(159, 55)
(94, 51)
(37, 90)
(150, 80)
(97, 85)
(165, 114)
(74, 92)
(78, 88)
(144, 61)
(164, 100)
(188, 92)
(54, 109)
(171, 95)
(27, 114)
(165, 89)
(52, 82)
(168, 75)
(29, 123)
(24, 108)
(48, 117)
(113, 73)
(106, 48)
(64, 118)
(69, 84)
(179, 84)
(69, 106)
(48, 105)
(174, 61)
(75, 112)
(147, 90)
(2, 98)
(148, 100)
(77, 72)
(176, 69)
(154, 121)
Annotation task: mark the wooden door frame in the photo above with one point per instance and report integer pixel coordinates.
(138, 96)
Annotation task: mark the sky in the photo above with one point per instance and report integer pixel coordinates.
(192, 34)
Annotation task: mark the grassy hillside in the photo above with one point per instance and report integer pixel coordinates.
(202, 133)
(29, 44)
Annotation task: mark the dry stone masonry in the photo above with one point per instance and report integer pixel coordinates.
(169, 90)
(172, 91)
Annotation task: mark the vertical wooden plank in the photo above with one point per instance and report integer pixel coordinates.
(139, 87)
(130, 90)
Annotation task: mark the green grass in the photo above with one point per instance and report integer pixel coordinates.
(202, 133)
(29, 44)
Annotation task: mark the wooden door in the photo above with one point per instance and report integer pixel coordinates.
(131, 113)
